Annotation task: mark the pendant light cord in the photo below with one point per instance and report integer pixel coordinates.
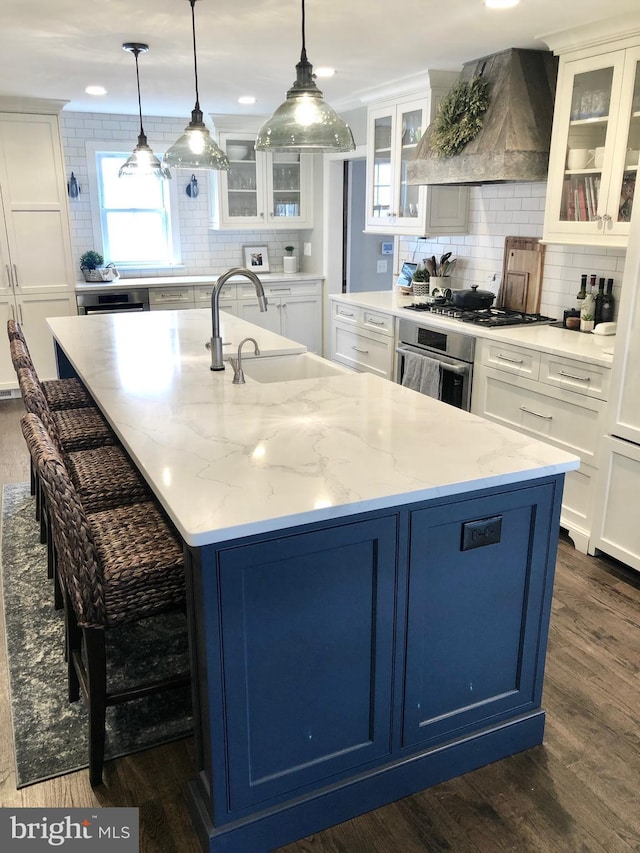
(135, 53)
(195, 54)
(303, 54)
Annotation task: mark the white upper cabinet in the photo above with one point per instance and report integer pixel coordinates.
(261, 189)
(594, 147)
(393, 205)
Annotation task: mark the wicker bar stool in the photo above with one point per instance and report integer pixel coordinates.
(59, 393)
(101, 472)
(117, 567)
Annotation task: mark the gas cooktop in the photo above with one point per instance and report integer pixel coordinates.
(479, 316)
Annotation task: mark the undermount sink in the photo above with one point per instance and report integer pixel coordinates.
(284, 368)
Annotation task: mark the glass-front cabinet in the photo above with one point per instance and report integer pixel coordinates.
(261, 190)
(594, 150)
(393, 205)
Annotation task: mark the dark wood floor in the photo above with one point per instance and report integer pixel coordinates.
(580, 791)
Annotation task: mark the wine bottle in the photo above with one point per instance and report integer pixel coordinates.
(586, 310)
(608, 303)
(582, 292)
(599, 298)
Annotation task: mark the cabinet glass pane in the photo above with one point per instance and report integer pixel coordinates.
(631, 157)
(411, 133)
(241, 177)
(382, 168)
(591, 97)
(285, 176)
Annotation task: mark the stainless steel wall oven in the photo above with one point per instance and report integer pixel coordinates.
(453, 352)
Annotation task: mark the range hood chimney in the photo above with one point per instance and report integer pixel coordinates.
(513, 143)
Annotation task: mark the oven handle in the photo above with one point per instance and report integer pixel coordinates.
(444, 365)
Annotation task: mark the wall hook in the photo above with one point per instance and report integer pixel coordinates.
(192, 187)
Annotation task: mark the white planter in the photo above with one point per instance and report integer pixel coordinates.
(290, 263)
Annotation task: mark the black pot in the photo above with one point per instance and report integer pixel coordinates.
(472, 298)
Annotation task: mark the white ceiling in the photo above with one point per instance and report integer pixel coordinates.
(55, 49)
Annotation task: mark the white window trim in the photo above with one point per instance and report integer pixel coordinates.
(92, 148)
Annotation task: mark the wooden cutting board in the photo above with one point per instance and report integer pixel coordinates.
(522, 270)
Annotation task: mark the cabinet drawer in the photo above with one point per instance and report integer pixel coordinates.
(378, 322)
(176, 296)
(202, 294)
(363, 351)
(296, 288)
(524, 362)
(590, 379)
(346, 313)
(569, 420)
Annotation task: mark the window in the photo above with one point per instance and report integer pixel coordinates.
(131, 216)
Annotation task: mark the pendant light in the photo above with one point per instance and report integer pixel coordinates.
(305, 122)
(196, 149)
(142, 162)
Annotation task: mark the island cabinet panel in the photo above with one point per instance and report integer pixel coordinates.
(474, 613)
(307, 649)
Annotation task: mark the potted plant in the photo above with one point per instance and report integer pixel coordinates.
(289, 261)
(90, 263)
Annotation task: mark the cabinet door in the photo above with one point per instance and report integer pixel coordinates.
(288, 185)
(242, 188)
(33, 311)
(8, 378)
(617, 531)
(34, 202)
(593, 126)
(301, 321)
(269, 319)
(307, 650)
(474, 615)
(380, 163)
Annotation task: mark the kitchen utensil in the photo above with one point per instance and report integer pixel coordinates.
(428, 262)
(472, 298)
(443, 260)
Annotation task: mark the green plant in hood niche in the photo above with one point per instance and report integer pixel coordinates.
(459, 117)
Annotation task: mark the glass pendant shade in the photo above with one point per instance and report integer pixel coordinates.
(305, 122)
(142, 162)
(196, 149)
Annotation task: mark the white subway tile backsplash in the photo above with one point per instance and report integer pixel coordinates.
(505, 210)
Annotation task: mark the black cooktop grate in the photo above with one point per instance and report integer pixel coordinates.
(479, 316)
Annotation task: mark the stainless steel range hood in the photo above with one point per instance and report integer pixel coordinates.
(513, 144)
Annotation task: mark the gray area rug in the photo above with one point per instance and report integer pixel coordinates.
(49, 733)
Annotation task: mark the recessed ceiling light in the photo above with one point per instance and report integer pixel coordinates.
(246, 99)
(500, 4)
(324, 72)
(96, 90)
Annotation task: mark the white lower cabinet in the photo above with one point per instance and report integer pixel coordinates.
(31, 312)
(557, 399)
(362, 339)
(293, 310)
(617, 531)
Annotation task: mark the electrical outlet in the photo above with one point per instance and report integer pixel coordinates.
(382, 266)
(307, 249)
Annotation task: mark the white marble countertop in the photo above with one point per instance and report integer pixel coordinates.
(233, 460)
(177, 280)
(546, 338)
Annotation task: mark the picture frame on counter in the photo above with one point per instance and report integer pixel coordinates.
(256, 258)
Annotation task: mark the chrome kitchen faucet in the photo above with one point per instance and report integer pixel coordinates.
(216, 341)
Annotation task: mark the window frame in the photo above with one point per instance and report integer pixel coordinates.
(117, 147)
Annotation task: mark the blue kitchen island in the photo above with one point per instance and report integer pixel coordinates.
(369, 571)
